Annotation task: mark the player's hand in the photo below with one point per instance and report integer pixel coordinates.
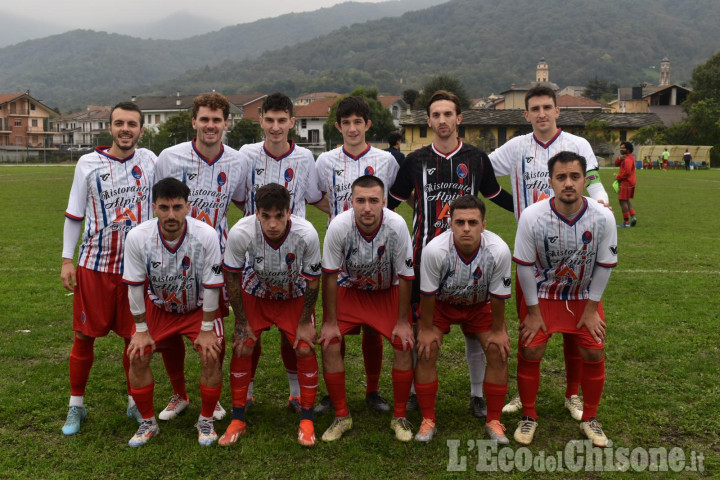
(208, 346)
(501, 340)
(139, 343)
(404, 332)
(243, 340)
(67, 275)
(591, 320)
(532, 324)
(328, 333)
(425, 339)
(307, 333)
(604, 203)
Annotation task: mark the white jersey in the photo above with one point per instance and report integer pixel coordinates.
(213, 182)
(295, 170)
(525, 159)
(337, 170)
(368, 262)
(565, 251)
(274, 270)
(455, 279)
(113, 196)
(178, 272)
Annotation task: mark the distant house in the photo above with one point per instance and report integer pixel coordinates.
(158, 109)
(396, 105)
(309, 121)
(574, 90)
(250, 105)
(80, 128)
(580, 104)
(24, 122)
(665, 102)
(308, 98)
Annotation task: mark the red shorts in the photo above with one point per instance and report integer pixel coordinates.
(263, 313)
(163, 325)
(377, 309)
(100, 304)
(626, 192)
(562, 316)
(472, 319)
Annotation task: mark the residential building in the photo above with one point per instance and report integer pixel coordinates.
(24, 122)
(309, 122)
(249, 104)
(80, 129)
(396, 105)
(158, 109)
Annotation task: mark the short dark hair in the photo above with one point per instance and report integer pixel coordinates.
(272, 195)
(394, 138)
(566, 157)
(131, 107)
(540, 91)
(367, 181)
(352, 105)
(170, 187)
(213, 101)
(278, 102)
(628, 146)
(444, 95)
(467, 202)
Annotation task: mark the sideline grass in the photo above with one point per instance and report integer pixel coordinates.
(663, 372)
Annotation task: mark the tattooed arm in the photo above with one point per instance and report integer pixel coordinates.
(306, 331)
(242, 333)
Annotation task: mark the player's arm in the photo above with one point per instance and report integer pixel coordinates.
(593, 184)
(134, 277)
(533, 322)
(71, 233)
(402, 188)
(500, 289)
(306, 331)
(323, 205)
(427, 333)
(330, 329)
(491, 189)
(403, 329)
(243, 336)
(498, 332)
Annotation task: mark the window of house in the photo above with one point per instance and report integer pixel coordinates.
(314, 136)
(623, 135)
(303, 123)
(157, 118)
(18, 122)
(34, 122)
(423, 132)
(32, 106)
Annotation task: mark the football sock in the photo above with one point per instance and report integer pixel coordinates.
(82, 355)
(402, 382)
(308, 377)
(335, 384)
(593, 382)
(426, 396)
(372, 349)
(255, 357)
(240, 380)
(495, 398)
(632, 212)
(528, 379)
(173, 355)
(144, 400)
(573, 364)
(290, 360)
(475, 356)
(209, 397)
(126, 367)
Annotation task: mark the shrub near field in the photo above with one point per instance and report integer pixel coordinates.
(663, 373)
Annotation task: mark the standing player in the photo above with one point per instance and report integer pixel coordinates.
(367, 267)
(276, 257)
(438, 174)
(337, 170)
(525, 158)
(215, 174)
(278, 160)
(179, 257)
(465, 280)
(626, 177)
(111, 191)
(565, 248)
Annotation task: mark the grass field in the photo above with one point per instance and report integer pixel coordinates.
(663, 362)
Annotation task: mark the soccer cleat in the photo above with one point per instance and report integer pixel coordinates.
(206, 431)
(134, 413)
(219, 412)
(525, 431)
(624, 225)
(294, 404)
(633, 221)
(336, 429)
(377, 402)
(426, 432)
(514, 405)
(235, 430)
(496, 431)
(593, 431)
(402, 429)
(412, 403)
(478, 407)
(575, 405)
(75, 417)
(174, 408)
(148, 429)
(306, 433)
(325, 405)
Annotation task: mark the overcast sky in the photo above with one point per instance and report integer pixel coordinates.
(88, 13)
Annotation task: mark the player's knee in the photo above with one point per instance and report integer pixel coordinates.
(141, 361)
(532, 353)
(303, 350)
(592, 355)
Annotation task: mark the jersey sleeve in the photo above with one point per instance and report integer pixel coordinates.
(333, 247)
(239, 195)
(489, 186)
(134, 258)
(402, 188)
(161, 166)
(237, 245)
(502, 159)
(607, 248)
(501, 281)
(311, 256)
(524, 252)
(393, 169)
(322, 167)
(312, 191)
(78, 194)
(404, 255)
(586, 151)
(212, 276)
(430, 270)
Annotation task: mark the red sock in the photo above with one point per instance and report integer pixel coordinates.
(372, 349)
(335, 384)
(426, 395)
(308, 379)
(402, 382)
(528, 379)
(593, 382)
(632, 211)
(209, 397)
(255, 358)
(82, 355)
(126, 365)
(573, 364)
(143, 397)
(495, 397)
(173, 354)
(240, 368)
(289, 357)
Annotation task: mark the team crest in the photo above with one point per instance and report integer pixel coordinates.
(289, 175)
(587, 238)
(462, 170)
(381, 251)
(369, 170)
(186, 263)
(477, 274)
(222, 178)
(136, 172)
(289, 259)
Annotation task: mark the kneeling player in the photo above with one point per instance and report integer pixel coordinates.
(272, 265)
(367, 275)
(180, 257)
(565, 248)
(465, 279)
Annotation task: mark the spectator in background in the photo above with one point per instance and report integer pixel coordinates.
(687, 158)
(394, 140)
(665, 159)
(626, 177)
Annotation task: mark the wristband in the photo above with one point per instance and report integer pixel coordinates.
(141, 327)
(207, 326)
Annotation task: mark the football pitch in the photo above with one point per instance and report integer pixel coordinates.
(660, 400)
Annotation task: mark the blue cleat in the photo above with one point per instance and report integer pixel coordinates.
(75, 417)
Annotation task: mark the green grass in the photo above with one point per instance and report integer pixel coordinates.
(663, 360)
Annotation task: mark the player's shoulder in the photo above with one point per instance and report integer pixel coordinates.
(145, 153)
(302, 226)
(198, 227)
(342, 220)
(419, 153)
(252, 148)
(439, 244)
(601, 210)
(393, 219)
(536, 208)
(144, 229)
(495, 242)
(180, 149)
(568, 137)
(302, 152)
